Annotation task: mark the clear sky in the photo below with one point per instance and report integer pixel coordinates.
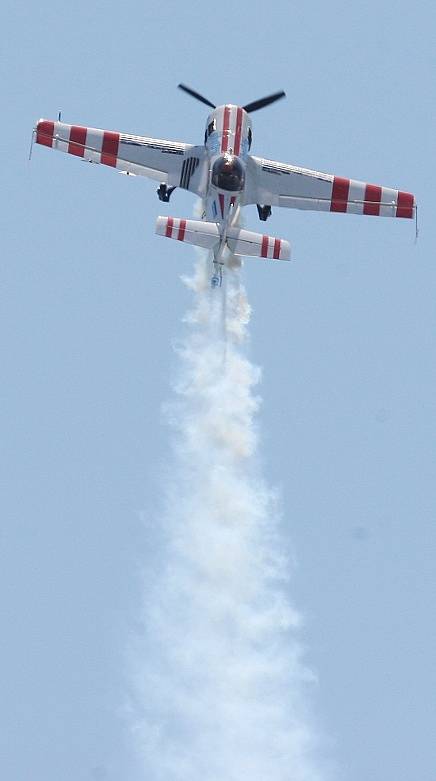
(345, 335)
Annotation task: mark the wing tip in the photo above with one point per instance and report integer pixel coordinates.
(406, 205)
(44, 132)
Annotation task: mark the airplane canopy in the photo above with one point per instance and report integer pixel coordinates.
(228, 174)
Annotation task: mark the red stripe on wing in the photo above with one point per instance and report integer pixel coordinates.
(373, 196)
(44, 132)
(276, 253)
(182, 228)
(109, 149)
(226, 123)
(264, 248)
(77, 141)
(405, 204)
(169, 230)
(340, 190)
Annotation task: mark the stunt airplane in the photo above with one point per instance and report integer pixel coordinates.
(226, 176)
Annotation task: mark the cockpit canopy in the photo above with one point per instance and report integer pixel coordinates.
(228, 174)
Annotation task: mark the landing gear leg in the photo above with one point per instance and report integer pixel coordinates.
(264, 212)
(164, 192)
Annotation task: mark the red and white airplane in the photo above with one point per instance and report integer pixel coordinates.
(226, 176)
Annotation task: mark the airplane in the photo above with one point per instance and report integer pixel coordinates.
(224, 174)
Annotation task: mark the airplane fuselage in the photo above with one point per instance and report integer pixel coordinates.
(227, 139)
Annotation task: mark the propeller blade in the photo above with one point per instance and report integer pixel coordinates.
(195, 94)
(256, 104)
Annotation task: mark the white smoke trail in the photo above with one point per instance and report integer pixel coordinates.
(221, 685)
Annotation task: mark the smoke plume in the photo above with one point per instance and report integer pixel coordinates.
(221, 686)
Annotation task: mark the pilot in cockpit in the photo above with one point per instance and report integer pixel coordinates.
(228, 174)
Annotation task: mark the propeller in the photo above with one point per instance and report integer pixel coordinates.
(254, 106)
(196, 95)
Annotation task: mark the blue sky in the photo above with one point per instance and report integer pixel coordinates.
(92, 303)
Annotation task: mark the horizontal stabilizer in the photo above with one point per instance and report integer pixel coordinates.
(239, 241)
(197, 232)
(257, 245)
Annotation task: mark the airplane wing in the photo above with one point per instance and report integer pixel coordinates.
(279, 184)
(171, 162)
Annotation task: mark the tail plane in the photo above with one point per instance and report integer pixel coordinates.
(239, 241)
